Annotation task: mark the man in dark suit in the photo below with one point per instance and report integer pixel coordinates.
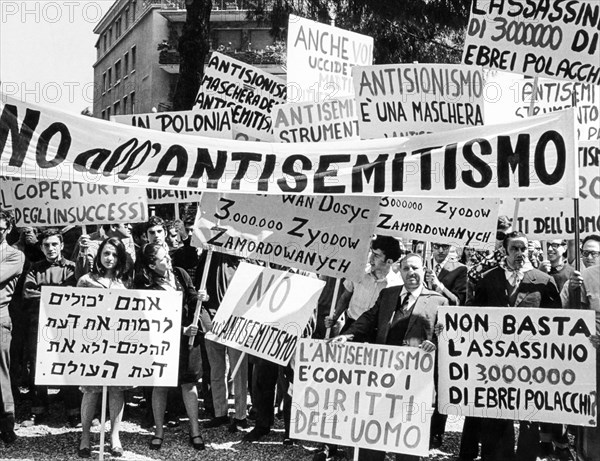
(402, 315)
(448, 278)
(514, 284)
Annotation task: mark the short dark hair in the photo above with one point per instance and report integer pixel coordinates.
(388, 245)
(513, 235)
(121, 266)
(153, 222)
(594, 237)
(50, 232)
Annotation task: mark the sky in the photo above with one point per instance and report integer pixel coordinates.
(47, 51)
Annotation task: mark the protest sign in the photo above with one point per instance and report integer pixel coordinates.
(535, 38)
(460, 222)
(264, 312)
(553, 218)
(530, 158)
(329, 235)
(409, 99)
(106, 337)
(60, 203)
(249, 92)
(363, 395)
(162, 196)
(509, 97)
(320, 58)
(331, 120)
(214, 123)
(526, 364)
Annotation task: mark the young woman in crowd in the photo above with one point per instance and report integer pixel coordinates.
(108, 271)
(158, 274)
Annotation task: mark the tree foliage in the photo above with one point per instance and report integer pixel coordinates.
(193, 48)
(403, 30)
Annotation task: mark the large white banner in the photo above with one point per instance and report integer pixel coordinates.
(320, 58)
(265, 311)
(249, 91)
(530, 158)
(104, 337)
(552, 38)
(554, 218)
(397, 100)
(363, 395)
(509, 97)
(469, 222)
(331, 120)
(328, 235)
(530, 364)
(61, 203)
(215, 123)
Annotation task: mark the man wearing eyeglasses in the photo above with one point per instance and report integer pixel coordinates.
(556, 265)
(11, 266)
(590, 250)
(447, 277)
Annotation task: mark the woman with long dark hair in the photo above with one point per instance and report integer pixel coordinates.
(108, 271)
(158, 274)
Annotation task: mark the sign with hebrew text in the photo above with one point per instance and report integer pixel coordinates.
(104, 337)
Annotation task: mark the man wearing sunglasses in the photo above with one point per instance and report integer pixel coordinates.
(590, 250)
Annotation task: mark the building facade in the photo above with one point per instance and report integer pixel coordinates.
(137, 63)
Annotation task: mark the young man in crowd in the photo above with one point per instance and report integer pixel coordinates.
(556, 265)
(590, 250)
(11, 265)
(54, 270)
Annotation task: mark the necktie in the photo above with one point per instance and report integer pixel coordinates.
(514, 280)
(438, 269)
(400, 310)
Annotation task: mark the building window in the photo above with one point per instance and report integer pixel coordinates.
(132, 99)
(104, 114)
(105, 42)
(124, 105)
(110, 36)
(117, 28)
(109, 78)
(125, 64)
(108, 113)
(126, 18)
(117, 71)
(117, 107)
(133, 56)
(133, 7)
(104, 83)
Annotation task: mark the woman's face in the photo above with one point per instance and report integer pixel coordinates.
(108, 257)
(162, 263)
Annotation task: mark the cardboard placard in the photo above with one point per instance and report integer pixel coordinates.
(363, 395)
(105, 337)
(249, 91)
(214, 123)
(265, 311)
(397, 100)
(61, 203)
(460, 222)
(331, 120)
(320, 58)
(327, 235)
(535, 38)
(525, 364)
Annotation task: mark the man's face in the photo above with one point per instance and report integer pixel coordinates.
(122, 231)
(4, 230)
(411, 270)
(516, 252)
(535, 249)
(377, 260)
(440, 252)
(556, 250)
(52, 248)
(29, 236)
(590, 253)
(156, 234)
(173, 238)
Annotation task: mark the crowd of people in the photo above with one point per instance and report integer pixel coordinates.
(394, 302)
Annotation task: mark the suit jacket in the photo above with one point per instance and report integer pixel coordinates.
(374, 325)
(454, 278)
(537, 289)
